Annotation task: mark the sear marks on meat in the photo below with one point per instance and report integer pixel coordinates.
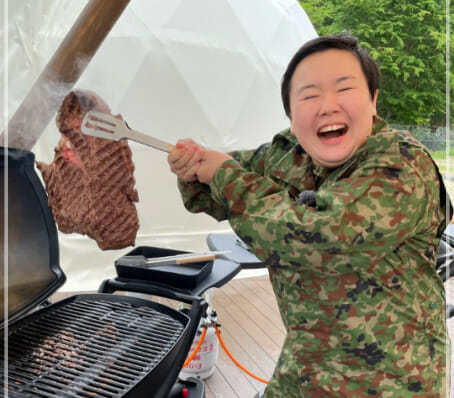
(90, 182)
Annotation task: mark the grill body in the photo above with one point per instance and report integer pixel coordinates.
(93, 345)
(99, 345)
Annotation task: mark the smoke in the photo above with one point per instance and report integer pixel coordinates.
(41, 103)
(37, 78)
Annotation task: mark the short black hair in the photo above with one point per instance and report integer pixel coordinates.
(341, 41)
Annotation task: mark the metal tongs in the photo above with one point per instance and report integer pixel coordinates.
(140, 261)
(102, 125)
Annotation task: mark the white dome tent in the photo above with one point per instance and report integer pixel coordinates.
(204, 69)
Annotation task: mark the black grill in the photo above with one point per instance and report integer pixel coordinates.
(87, 346)
(93, 345)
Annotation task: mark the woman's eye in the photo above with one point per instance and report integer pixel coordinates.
(308, 97)
(345, 89)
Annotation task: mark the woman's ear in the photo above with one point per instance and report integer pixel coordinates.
(291, 124)
(374, 103)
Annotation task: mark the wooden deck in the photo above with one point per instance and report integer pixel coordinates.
(253, 332)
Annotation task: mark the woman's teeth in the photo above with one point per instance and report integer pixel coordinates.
(333, 131)
(331, 128)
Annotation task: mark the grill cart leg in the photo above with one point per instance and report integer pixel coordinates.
(260, 394)
(190, 388)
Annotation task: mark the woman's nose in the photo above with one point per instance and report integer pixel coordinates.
(329, 104)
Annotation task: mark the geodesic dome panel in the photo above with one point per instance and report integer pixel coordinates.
(204, 69)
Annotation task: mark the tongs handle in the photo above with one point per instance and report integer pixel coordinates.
(142, 138)
(140, 261)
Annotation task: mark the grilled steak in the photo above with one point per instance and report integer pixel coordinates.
(90, 182)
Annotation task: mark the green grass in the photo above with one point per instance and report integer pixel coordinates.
(441, 168)
(440, 155)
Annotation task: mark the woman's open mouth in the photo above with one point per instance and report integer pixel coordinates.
(332, 133)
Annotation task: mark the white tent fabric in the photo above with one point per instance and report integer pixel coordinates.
(205, 69)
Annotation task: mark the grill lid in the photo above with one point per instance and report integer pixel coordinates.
(33, 257)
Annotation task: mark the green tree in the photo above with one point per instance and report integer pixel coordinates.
(407, 38)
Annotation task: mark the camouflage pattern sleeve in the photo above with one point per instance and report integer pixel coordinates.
(253, 160)
(197, 196)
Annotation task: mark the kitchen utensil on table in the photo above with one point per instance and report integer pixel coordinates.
(102, 125)
(141, 261)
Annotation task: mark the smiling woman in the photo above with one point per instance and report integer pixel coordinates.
(331, 112)
(353, 269)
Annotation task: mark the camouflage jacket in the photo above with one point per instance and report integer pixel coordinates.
(351, 261)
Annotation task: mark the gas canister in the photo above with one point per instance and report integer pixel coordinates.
(204, 362)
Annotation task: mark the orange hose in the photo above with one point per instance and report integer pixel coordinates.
(191, 357)
(234, 360)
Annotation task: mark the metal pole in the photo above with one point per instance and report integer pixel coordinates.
(63, 70)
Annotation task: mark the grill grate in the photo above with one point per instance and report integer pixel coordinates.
(88, 348)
